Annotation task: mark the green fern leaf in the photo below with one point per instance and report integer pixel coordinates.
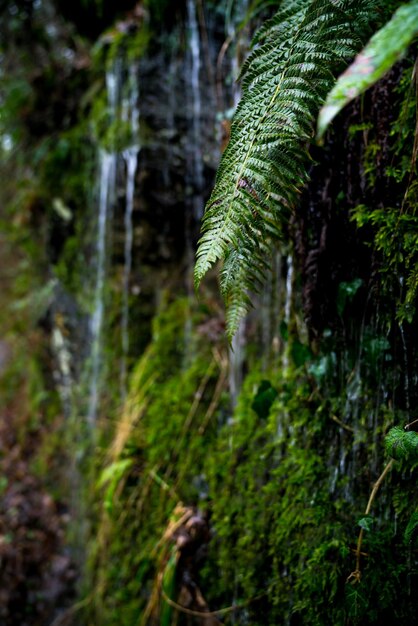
(385, 48)
(264, 166)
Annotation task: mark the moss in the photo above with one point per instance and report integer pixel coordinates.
(167, 457)
(285, 476)
(283, 531)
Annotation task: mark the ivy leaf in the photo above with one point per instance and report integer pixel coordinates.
(386, 47)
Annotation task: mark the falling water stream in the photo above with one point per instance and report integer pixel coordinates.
(106, 198)
(288, 304)
(238, 344)
(194, 156)
(107, 186)
(130, 112)
(122, 97)
(131, 159)
(193, 68)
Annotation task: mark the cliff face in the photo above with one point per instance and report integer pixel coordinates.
(199, 476)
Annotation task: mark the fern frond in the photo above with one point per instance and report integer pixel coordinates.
(386, 47)
(264, 166)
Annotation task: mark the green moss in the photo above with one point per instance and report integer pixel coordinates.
(166, 454)
(283, 532)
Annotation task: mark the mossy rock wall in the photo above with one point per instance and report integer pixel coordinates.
(249, 508)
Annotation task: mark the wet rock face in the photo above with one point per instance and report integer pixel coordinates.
(330, 247)
(182, 97)
(180, 149)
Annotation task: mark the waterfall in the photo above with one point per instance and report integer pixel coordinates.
(130, 112)
(194, 160)
(108, 161)
(406, 368)
(107, 187)
(289, 290)
(64, 379)
(236, 362)
(270, 313)
(288, 305)
(193, 67)
(131, 159)
(122, 101)
(194, 177)
(238, 344)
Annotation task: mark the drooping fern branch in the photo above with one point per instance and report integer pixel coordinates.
(286, 78)
(386, 47)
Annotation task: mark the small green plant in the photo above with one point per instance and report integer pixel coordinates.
(402, 445)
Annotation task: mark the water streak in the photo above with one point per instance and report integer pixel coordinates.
(238, 344)
(107, 186)
(406, 368)
(131, 158)
(64, 376)
(288, 305)
(194, 159)
(130, 112)
(193, 67)
(236, 363)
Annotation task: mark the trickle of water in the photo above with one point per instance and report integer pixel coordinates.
(193, 66)
(194, 158)
(107, 187)
(108, 162)
(130, 112)
(240, 40)
(266, 319)
(113, 85)
(288, 304)
(271, 312)
(65, 379)
(236, 362)
(238, 344)
(289, 289)
(122, 101)
(131, 158)
(406, 367)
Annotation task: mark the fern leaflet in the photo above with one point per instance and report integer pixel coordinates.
(264, 166)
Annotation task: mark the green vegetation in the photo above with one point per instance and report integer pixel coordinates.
(386, 47)
(194, 499)
(275, 496)
(264, 167)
